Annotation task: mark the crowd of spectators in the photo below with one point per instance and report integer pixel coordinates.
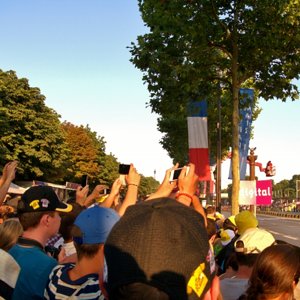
(165, 247)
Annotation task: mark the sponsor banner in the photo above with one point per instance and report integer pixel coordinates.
(264, 192)
(255, 192)
(247, 192)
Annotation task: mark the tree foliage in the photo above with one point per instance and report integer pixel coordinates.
(30, 131)
(210, 49)
(86, 152)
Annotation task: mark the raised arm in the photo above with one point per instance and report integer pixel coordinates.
(9, 173)
(166, 187)
(113, 195)
(133, 181)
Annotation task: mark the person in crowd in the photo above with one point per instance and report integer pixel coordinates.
(10, 230)
(9, 273)
(8, 175)
(275, 274)
(38, 212)
(228, 235)
(247, 249)
(245, 220)
(160, 250)
(89, 233)
(67, 221)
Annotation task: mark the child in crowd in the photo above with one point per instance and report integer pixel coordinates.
(89, 233)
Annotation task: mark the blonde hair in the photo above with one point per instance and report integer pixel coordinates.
(10, 230)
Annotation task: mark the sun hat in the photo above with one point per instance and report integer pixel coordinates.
(245, 220)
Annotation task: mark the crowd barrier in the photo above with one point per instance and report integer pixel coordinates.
(290, 215)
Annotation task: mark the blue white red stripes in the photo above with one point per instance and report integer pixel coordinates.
(198, 138)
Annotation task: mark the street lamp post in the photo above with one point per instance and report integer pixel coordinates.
(218, 179)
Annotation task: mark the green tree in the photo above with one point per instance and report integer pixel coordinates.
(148, 185)
(109, 169)
(207, 49)
(87, 150)
(30, 131)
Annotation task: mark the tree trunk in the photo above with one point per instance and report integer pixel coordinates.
(235, 159)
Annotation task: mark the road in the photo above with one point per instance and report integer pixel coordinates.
(282, 228)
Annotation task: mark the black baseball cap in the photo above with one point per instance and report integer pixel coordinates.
(41, 198)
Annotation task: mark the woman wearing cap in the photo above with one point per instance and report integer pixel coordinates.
(275, 274)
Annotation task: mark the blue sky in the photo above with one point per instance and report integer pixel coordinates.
(76, 52)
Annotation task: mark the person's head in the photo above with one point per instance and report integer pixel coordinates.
(41, 205)
(210, 210)
(211, 228)
(229, 223)
(251, 243)
(245, 220)
(275, 273)
(10, 230)
(67, 221)
(91, 229)
(159, 250)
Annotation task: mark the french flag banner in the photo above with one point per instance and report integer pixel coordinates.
(198, 138)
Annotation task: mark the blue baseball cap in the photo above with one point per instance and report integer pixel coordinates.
(95, 223)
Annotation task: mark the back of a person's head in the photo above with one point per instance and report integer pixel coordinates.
(245, 220)
(211, 228)
(276, 272)
(210, 210)
(10, 230)
(161, 244)
(250, 244)
(67, 221)
(91, 228)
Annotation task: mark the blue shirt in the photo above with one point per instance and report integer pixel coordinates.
(36, 266)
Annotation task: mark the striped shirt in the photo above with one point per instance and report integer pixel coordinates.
(61, 286)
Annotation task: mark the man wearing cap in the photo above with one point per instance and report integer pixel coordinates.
(38, 212)
(73, 281)
(247, 248)
(159, 249)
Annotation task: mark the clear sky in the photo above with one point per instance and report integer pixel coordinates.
(76, 52)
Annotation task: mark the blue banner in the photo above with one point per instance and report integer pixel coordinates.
(246, 103)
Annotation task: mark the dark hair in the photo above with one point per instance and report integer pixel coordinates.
(275, 271)
(83, 250)
(211, 228)
(67, 221)
(32, 219)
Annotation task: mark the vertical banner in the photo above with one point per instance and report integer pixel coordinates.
(246, 103)
(264, 192)
(198, 138)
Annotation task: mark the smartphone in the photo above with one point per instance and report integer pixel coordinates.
(124, 169)
(106, 191)
(175, 173)
(84, 180)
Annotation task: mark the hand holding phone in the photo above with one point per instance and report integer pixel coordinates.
(176, 172)
(123, 171)
(84, 180)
